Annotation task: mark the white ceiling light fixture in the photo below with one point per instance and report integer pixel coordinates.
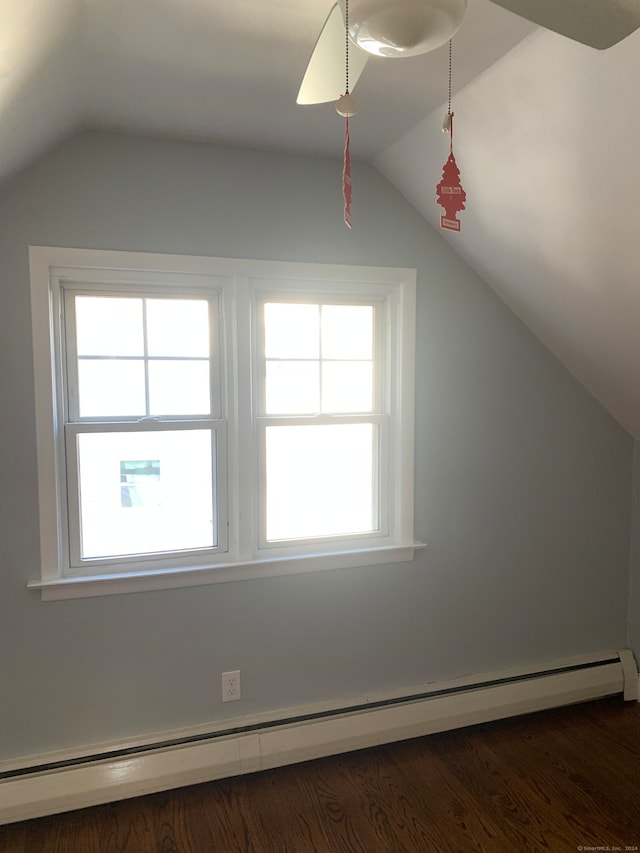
(385, 28)
(405, 28)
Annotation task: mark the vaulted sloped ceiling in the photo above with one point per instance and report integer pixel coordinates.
(40, 47)
(547, 141)
(547, 133)
(209, 70)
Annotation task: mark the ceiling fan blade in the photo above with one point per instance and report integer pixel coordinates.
(597, 23)
(324, 79)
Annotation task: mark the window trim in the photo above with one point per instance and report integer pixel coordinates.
(240, 282)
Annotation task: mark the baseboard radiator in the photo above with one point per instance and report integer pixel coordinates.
(48, 784)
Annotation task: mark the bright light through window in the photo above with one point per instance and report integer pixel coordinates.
(145, 492)
(109, 326)
(320, 481)
(177, 327)
(142, 357)
(319, 358)
(321, 478)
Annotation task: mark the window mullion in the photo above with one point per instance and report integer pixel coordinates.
(245, 452)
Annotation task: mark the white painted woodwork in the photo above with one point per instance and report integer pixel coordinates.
(47, 792)
(246, 556)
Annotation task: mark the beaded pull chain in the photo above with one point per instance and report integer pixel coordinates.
(448, 119)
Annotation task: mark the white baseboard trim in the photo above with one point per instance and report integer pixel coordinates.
(34, 791)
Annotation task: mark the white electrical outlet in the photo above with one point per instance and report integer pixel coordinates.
(231, 686)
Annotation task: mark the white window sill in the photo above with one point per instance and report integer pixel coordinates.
(142, 581)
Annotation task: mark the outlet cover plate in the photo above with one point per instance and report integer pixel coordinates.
(231, 686)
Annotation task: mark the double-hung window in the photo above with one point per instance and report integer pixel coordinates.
(203, 419)
(144, 440)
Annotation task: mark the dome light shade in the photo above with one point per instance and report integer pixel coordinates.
(403, 27)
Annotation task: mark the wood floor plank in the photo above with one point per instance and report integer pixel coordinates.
(389, 807)
(229, 811)
(550, 777)
(315, 809)
(613, 787)
(588, 783)
(456, 821)
(550, 781)
(175, 829)
(505, 798)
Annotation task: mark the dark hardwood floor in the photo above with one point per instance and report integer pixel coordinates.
(561, 780)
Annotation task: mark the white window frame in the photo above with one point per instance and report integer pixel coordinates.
(70, 424)
(240, 286)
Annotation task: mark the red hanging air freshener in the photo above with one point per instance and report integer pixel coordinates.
(449, 191)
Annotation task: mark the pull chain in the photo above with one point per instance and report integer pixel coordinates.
(346, 45)
(447, 124)
(450, 114)
(450, 66)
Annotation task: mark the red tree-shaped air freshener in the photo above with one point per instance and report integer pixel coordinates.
(449, 191)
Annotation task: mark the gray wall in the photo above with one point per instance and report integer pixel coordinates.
(522, 480)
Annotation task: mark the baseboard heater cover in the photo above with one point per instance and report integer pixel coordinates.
(88, 780)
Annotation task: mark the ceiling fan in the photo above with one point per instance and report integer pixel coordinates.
(402, 28)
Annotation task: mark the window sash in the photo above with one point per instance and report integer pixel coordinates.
(69, 357)
(152, 559)
(378, 417)
(380, 486)
(73, 425)
(321, 297)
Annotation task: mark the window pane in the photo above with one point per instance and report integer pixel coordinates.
(145, 492)
(320, 480)
(178, 327)
(111, 388)
(179, 388)
(293, 387)
(108, 326)
(291, 331)
(347, 386)
(347, 331)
